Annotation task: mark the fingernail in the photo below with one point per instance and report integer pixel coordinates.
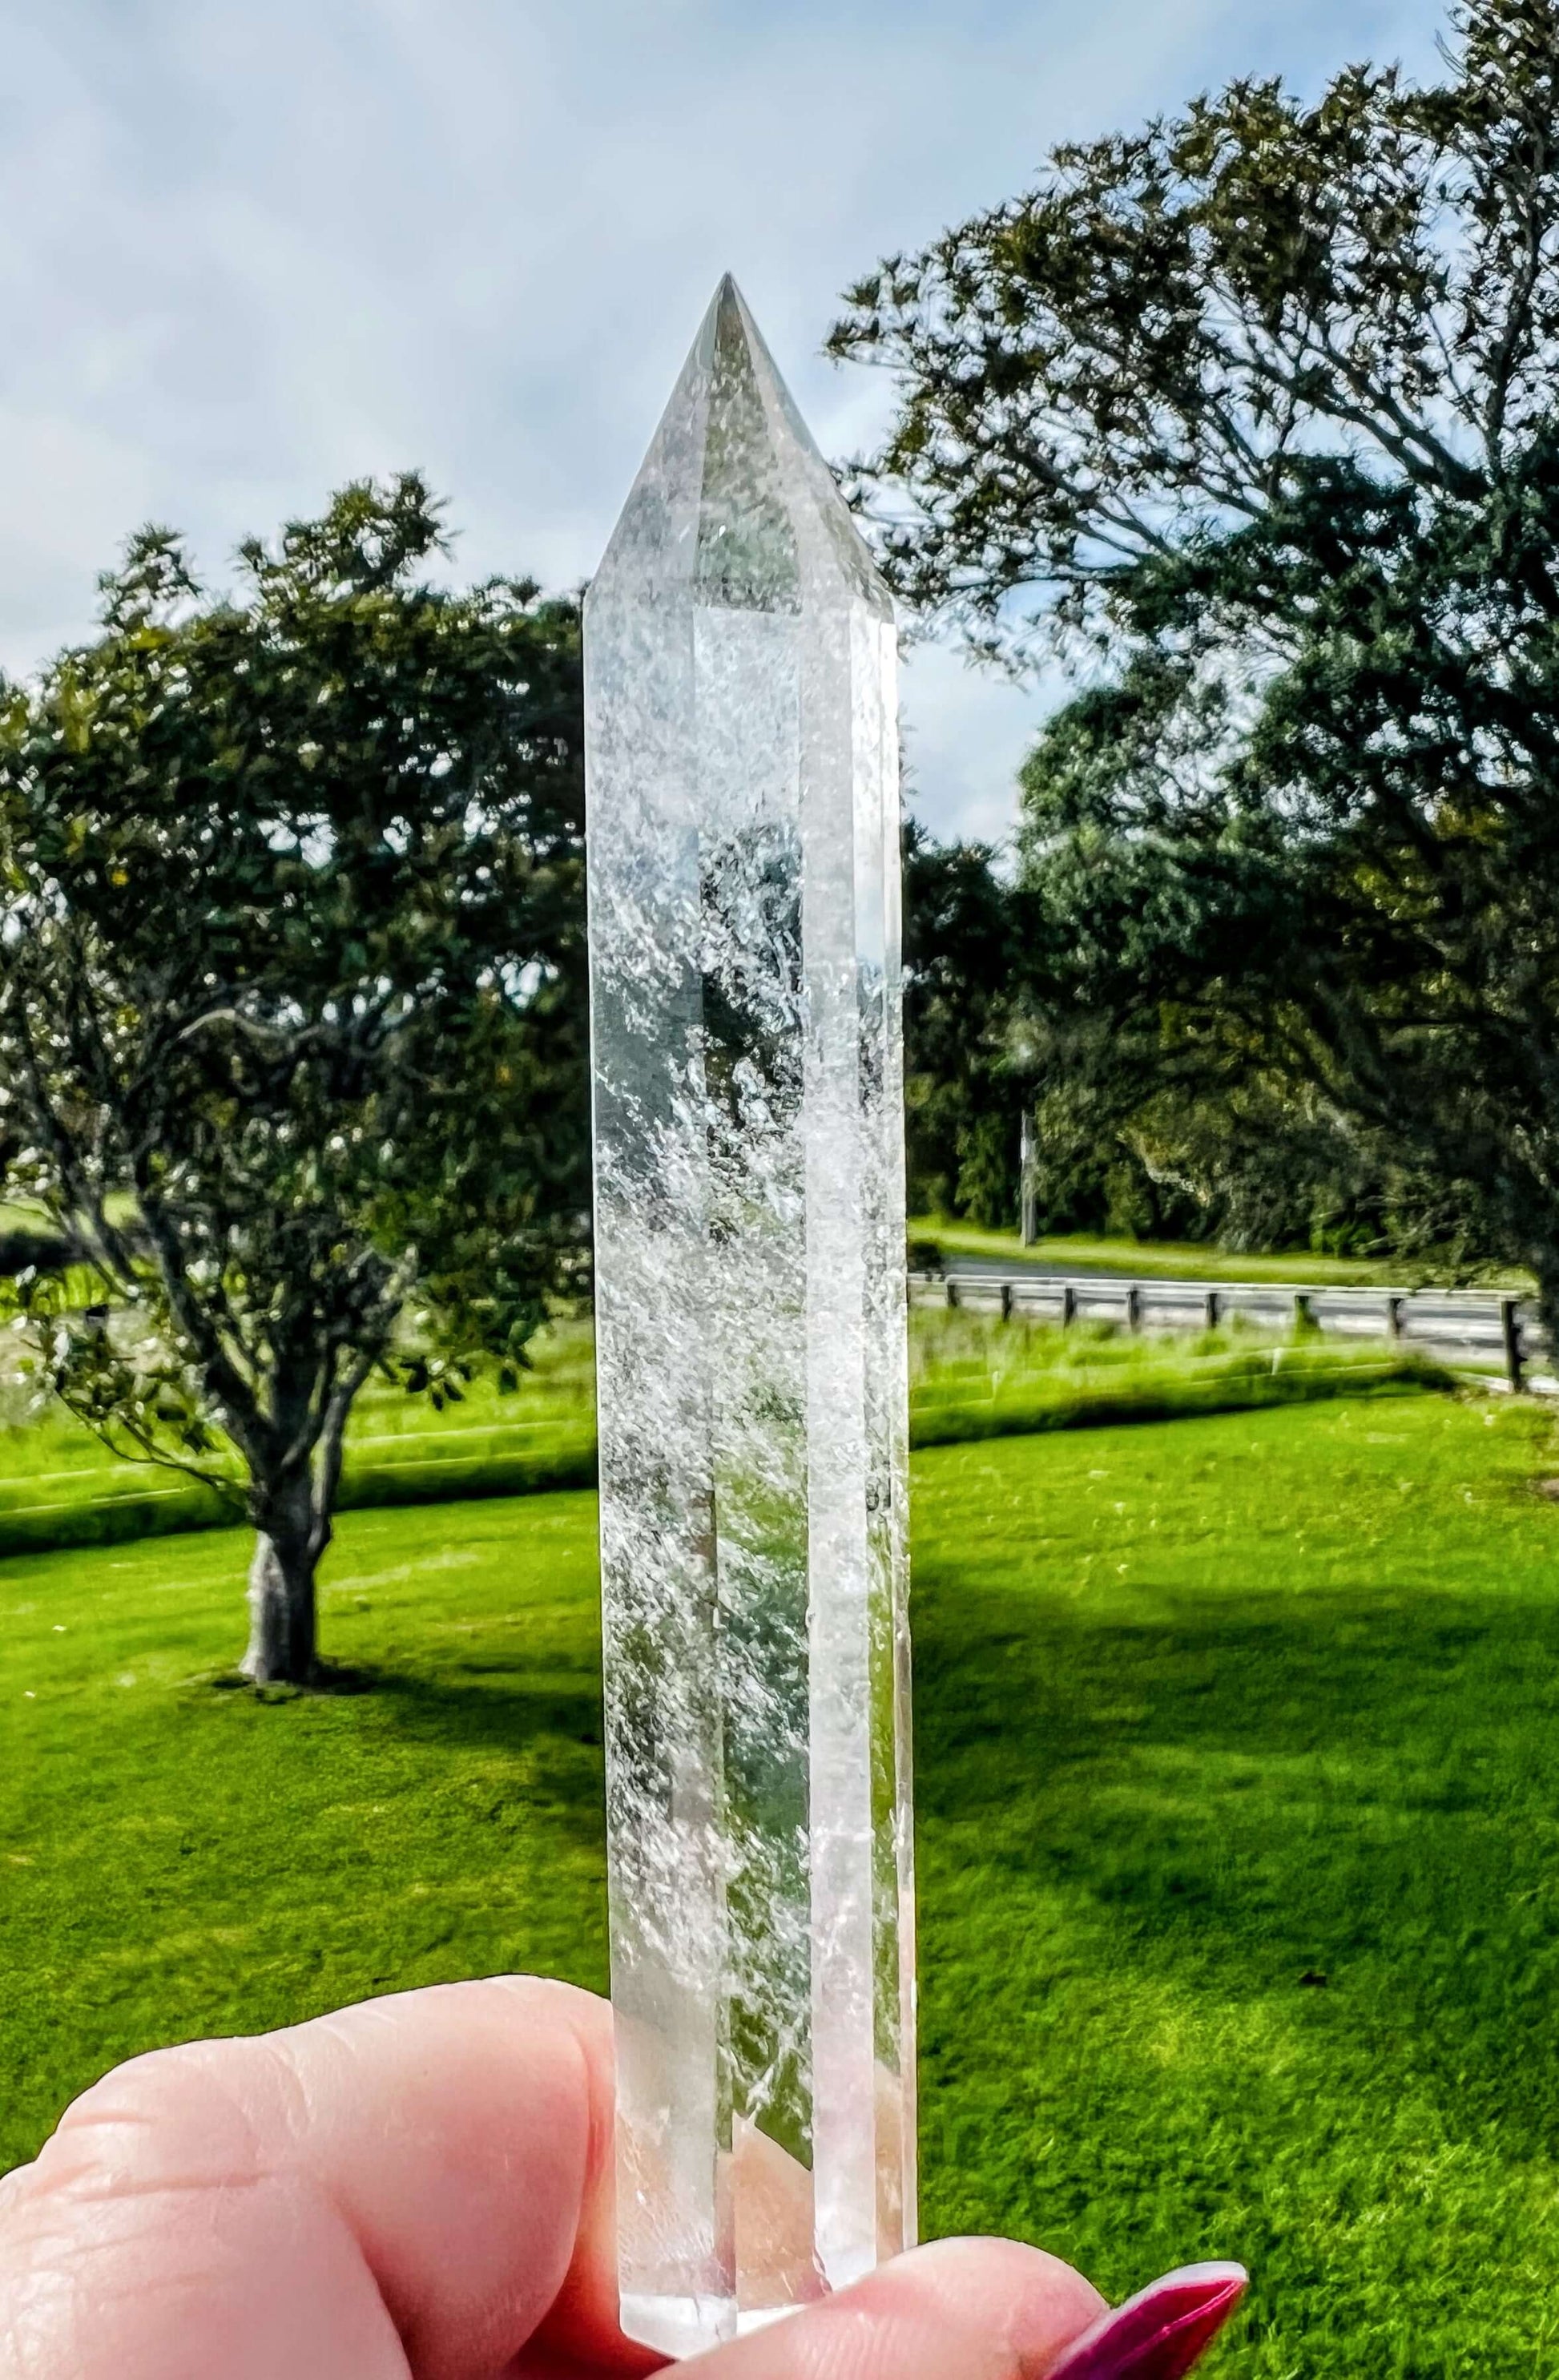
(1161, 2332)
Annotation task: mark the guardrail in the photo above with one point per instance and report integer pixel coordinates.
(1468, 1322)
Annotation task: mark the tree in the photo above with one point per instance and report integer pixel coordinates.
(1252, 413)
(291, 1002)
(959, 959)
(1148, 1129)
(1139, 1133)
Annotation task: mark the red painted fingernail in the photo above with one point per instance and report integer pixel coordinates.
(1160, 2333)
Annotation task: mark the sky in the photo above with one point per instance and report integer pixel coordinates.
(250, 251)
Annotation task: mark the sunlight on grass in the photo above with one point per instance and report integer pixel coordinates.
(1187, 1259)
(1237, 1748)
(972, 1377)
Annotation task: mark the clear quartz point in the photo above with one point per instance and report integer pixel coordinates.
(742, 748)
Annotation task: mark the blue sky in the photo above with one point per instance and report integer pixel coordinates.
(248, 252)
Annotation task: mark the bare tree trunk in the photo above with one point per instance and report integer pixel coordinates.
(292, 1515)
(289, 1539)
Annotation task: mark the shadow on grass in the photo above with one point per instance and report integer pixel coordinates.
(1333, 1820)
(551, 1724)
(330, 1679)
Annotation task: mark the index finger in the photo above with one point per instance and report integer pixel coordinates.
(414, 2183)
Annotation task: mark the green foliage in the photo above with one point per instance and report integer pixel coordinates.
(1138, 1135)
(290, 1003)
(1252, 412)
(1201, 1713)
(961, 960)
(1150, 1130)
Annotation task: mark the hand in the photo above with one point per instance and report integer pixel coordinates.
(420, 2188)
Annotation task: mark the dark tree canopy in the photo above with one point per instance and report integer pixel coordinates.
(960, 958)
(290, 1000)
(1144, 1129)
(1183, 330)
(1253, 413)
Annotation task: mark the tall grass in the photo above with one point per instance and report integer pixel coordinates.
(60, 1487)
(972, 1377)
(1085, 1252)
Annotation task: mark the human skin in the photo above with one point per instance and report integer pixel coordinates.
(420, 2188)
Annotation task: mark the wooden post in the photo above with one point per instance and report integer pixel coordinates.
(1394, 1318)
(1210, 1311)
(949, 1290)
(1006, 1301)
(1068, 1306)
(1134, 1308)
(1027, 1219)
(1304, 1314)
(1510, 1331)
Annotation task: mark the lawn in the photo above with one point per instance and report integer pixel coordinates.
(971, 1376)
(1238, 1817)
(1188, 1259)
(59, 1485)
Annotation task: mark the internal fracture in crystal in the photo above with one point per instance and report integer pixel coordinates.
(743, 770)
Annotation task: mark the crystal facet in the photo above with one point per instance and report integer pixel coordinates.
(742, 752)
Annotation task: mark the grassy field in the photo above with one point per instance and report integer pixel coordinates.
(1186, 1259)
(1238, 1745)
(58, 1484)
(972, 1377)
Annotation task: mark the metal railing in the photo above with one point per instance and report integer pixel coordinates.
(1478, 1325)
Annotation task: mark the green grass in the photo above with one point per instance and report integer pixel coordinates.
(1202, 1711)
(58, 1486)
(1186, 1259)
(974, 1376)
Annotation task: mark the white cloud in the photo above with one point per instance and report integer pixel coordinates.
(247, 253)
(966, 730)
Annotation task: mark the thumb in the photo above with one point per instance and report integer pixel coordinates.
(958, 2310)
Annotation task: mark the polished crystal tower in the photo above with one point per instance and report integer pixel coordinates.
(742, 771)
